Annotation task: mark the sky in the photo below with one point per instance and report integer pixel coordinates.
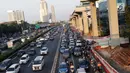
(63, 8)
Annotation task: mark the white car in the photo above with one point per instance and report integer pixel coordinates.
(39, 44)
(81, 70)
(24, 59)
(43, 50)
(38, 63)
(78, 43)
(14, 68)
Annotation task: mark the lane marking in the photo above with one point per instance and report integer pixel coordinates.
(56, 57)
(30, 63)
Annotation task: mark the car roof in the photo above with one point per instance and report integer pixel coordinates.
(25, 55)
(44, 47)
(63, 63)
(6, 60)
(81, 70)
(38, 58)
(13, 65)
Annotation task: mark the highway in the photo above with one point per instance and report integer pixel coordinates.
(49, 58)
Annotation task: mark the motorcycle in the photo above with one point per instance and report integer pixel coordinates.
(72, 69)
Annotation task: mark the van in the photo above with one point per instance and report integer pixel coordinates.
(38, 63)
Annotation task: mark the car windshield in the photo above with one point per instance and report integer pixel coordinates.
(37, 62)
(21, 51)
(63, 66)
(10, 69)
(77, 50)
(44, 49)
(66, 51)
(83, 62)
(3, 64)
(23, 58)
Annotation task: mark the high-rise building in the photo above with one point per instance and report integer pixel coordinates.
(53, 17)
(43, 11)
(11, 15)
(16, 15)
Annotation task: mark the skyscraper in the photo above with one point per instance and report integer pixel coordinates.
(11, 15)
(43, 11)
(16, 15)
(53, 17)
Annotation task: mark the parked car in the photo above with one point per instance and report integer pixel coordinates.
(63, 68)
(77, 51)
(24, 59)
(32, 52)
(38, 63)
(20, 53)
(5, 64)
(14, 68)
(43, 50)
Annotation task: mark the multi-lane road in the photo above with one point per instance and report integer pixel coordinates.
(49, 58)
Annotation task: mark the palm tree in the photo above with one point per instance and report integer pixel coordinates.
(94, 17)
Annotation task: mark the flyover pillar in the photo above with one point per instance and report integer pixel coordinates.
(94, 19)
(85, 23)
(113, 23)
(80, 24)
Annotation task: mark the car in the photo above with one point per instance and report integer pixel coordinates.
(77, 51)
(71, 45)
(38, 63)
(83, 63)
(32, 52)
(24, 59)
(21, 52)
(39, 44)
(63, 44)
(63, 68)
(62, 49)
(51, 38)
(66, 53)
(80, 70)
(32, 44)
(5, 64)
(78, 43)
(14, 68)
(43, 50)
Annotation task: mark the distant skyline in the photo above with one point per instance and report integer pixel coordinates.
(63, 8)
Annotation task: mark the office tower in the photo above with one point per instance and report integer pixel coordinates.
(11, 15)
(53, 17)
(43, 11)
(16, 15)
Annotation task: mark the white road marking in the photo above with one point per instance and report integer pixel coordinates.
(29, 63)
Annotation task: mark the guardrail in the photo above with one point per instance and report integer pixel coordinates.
(108, 68)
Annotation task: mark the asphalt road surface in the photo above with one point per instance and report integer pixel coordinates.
(49, 58)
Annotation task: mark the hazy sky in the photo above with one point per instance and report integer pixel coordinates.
(63, 8)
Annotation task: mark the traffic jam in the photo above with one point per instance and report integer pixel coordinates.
(76, 55)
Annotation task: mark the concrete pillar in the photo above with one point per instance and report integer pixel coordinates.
(85, 23)
(80, 24)
(94, 19)
(113, 23)
(77, 22)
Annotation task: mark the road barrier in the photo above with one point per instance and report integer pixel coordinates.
(108, 68)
